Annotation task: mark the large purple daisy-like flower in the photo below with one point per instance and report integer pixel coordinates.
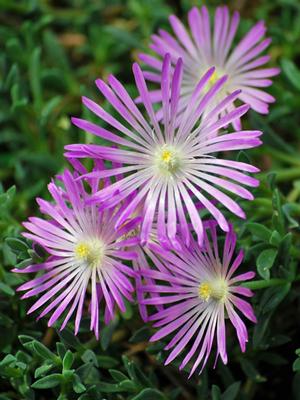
(140, 262)
(198, 290)
(205, 47)
(173, 164)
(86, 254)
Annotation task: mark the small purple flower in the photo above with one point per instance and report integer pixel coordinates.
(198, 290)
(140, 262)
(169, 165)
(85, 252)
(205, 47)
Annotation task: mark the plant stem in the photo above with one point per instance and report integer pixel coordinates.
(262, 284)
(285, 174)
(288, 158)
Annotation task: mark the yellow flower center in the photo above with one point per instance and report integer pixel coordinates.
(91, 252)
(166, 156)
(205, 291)
(213, 79)
(216, 290)
(218, 73)
(82, 250)
(167, 159)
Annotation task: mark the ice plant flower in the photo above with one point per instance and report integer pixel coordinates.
(140, 262)
(198, 290)
(85, 252)
(203, 46)
(172, 164)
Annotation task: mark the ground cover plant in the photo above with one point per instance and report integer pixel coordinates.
(145, 272)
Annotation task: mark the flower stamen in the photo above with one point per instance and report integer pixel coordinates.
(216, 290)
(205, 291)
(167, 160)
(215, 77)
(166, 156)
(91, 252)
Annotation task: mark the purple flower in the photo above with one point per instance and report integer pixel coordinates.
(85, 252)
(140, 262)
(173, 164)
(205, 47)
(198, 290)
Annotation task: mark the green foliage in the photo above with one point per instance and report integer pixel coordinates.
(51, 53)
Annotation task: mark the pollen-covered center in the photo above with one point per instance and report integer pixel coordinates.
(213, 79)
(168, 160)
(216, 290)
(91, 251)
(218, 73)
(166, 156)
